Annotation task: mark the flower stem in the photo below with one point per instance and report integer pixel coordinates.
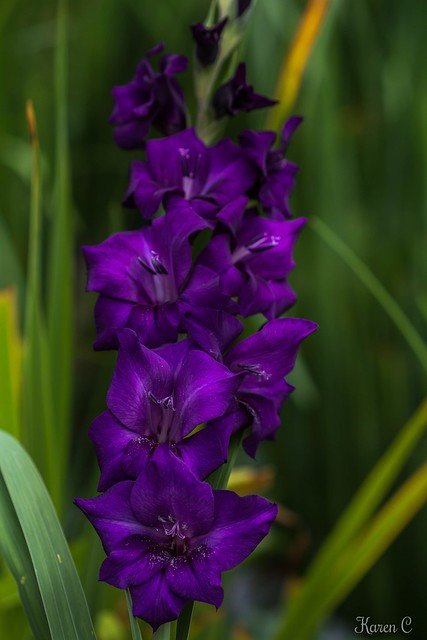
(163, 632)
(134, 626)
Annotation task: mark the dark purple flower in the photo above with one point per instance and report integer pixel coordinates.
(242, 7)
(207, 177)
(254, 262)
(150, 99)
(237, 95)
(276, 174)
(264, 359)
(145, 282)
(168, 537)
(155, 401)
(207, 41)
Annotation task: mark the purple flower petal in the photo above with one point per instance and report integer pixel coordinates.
(237, 95)
(206, 450)
(197, 579)
(207, 41)
(213, 330)
(155, 602)
(270, 353)
(131, 563)
(181, 165)
(159, 496)
(110, 314)
(139, 371)
(150, 99)
(110, 438)
(112, 515)
(203, 390)
(240, 525)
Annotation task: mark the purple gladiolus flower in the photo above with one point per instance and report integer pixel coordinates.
(254, 262)
(181, 165)
(151, 99)
(146, 282)
(242, 7)
(262, 361)
(265, 358)
(237, 95)
(207, 41)
(276, 174)
(168, 537)
(155, 401)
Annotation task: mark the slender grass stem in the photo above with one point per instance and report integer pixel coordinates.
(60, 325)
(134, 626)
(371, 282)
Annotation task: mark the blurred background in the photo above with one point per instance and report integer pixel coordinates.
(362, 153)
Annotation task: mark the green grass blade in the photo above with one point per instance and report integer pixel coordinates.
(367, 499)
(36, 551)
(184, 622)
(60, 325)
(371, 282)
(10, 364)
(134, 626)
(38, 433)
(14, 550)
(349, 568)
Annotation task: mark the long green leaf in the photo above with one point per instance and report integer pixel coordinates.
(37, 552)
(366, 500)
(10, 364)
(349, 568)
(38, 431)
(60, 325)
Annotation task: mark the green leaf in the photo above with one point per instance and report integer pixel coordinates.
(353, 564)
(134, 626)
(10, 363)
(36, 551)
(184, 622)
(38, 434)
(60, 327)
(321, 578)
(377, 289)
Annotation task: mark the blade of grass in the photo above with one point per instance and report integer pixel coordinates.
(355, 517)
(36, 548)
(134, 626)
(10, 364)
(15, 553)
(371, 282)
(184, 622)
(295, 62)
(353, 564)
(38, 433)
(60, 325)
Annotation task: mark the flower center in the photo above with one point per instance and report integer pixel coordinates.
(254, 369)
(258, 244)
(161, 288)
(189, 169)
(176, 530)
(153, 265)
(164, 418)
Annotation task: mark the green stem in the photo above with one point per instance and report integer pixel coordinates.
(371, 282)
(134, 626)
(163, 632)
